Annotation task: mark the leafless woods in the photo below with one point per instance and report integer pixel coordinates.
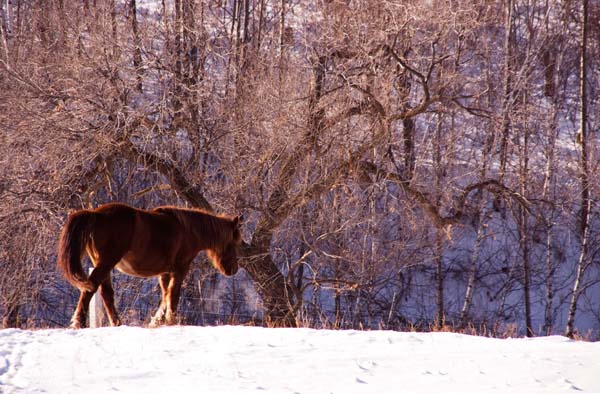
(401, 164)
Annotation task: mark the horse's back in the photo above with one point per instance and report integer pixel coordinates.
(133, 224)
(115, 208)
(116, 216)
(141, 242)
(156, 241)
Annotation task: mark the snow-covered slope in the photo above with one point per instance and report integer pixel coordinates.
(252, 359)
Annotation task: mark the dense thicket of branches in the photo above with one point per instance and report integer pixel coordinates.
(400, 163)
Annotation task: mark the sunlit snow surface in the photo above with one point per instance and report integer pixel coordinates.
(252, 359)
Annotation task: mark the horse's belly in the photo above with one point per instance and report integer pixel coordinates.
(130, 267)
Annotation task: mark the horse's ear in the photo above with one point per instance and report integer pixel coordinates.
(237, 220)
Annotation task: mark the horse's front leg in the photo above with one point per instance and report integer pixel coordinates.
(173, 294)
(159, 316)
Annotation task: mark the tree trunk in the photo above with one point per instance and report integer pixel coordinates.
(6, 15)
(508, 93)
(439, 271)
(11, 317)
(523, 230)
(268, 281)
(586, 201)
(439, 238)
(408, 135)
(524, 243)
(547, 194)
(474, 261)
(116, 50)
(137, 51)
(3, 46)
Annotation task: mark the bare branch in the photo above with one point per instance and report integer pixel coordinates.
(459, 206)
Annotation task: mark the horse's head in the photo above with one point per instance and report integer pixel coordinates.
(224, 257)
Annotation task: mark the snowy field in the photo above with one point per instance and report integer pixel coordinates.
(258, 360)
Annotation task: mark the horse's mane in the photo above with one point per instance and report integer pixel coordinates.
(209, 226)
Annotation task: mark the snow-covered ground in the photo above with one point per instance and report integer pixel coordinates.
(252, 359)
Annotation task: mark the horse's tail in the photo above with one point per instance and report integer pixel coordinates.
(73, 239)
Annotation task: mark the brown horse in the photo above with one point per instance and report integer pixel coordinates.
(160, 242)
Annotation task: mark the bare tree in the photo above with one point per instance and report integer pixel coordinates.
(388, 176)
(584, 175)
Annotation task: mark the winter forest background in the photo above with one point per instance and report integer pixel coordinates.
(413, 164)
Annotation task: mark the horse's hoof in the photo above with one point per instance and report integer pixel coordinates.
(154, 324)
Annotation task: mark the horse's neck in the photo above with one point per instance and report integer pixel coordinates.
(203, 230)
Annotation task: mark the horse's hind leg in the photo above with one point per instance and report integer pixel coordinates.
(108, 299)
(98, 275)
(79, 319)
